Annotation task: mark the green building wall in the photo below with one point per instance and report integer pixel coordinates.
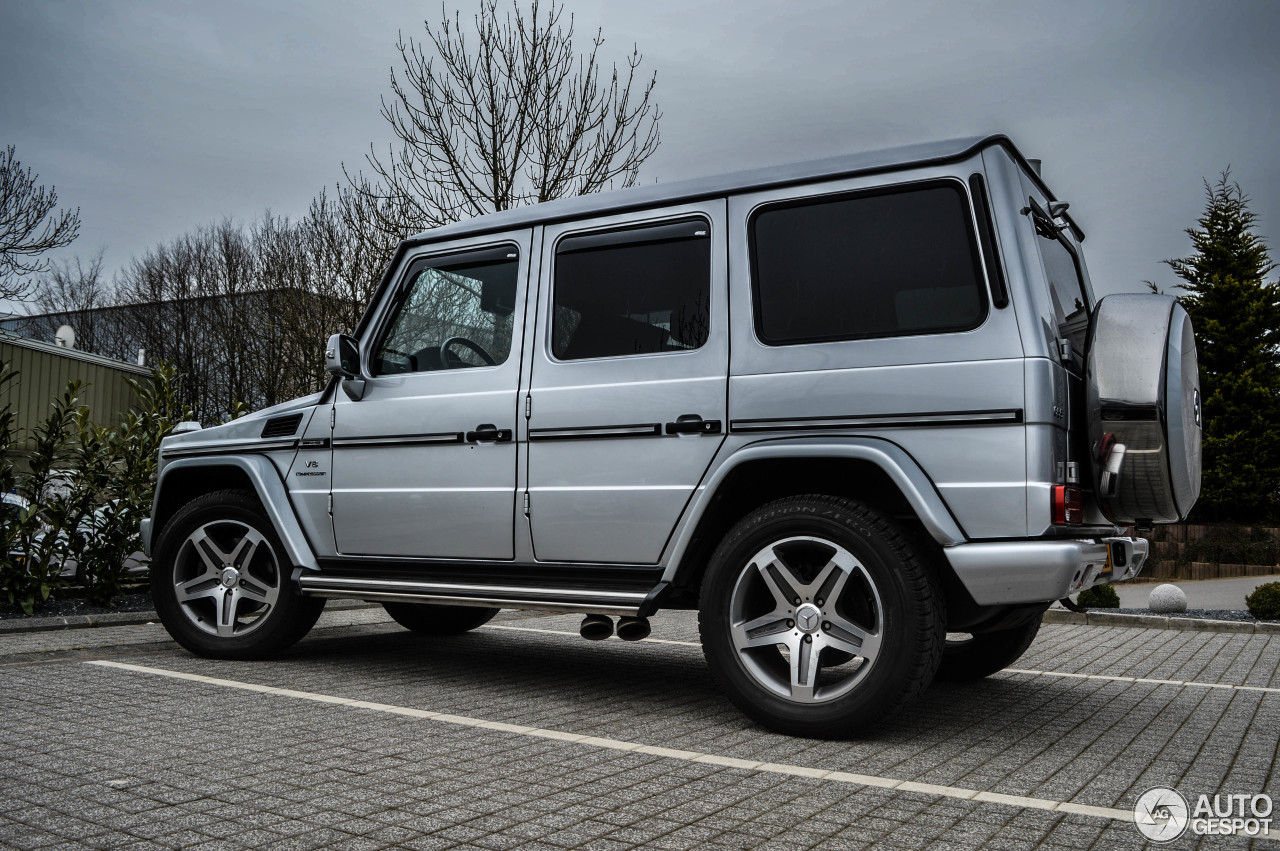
(43, 372)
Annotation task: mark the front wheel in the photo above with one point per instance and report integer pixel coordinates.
(819, 618)
(222, 584)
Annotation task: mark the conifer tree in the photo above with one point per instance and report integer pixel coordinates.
(1236, 314)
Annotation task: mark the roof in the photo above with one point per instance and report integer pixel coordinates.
(658, 194)
(74, 354)
(685, 191)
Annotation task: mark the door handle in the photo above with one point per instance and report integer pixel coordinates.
(488, 432)
(693, 424)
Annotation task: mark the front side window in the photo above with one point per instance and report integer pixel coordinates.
(632, 292)
(453, 313)
(880, 264)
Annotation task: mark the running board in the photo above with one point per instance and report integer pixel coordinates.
(631, 603)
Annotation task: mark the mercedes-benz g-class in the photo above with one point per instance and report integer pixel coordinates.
(865, 415)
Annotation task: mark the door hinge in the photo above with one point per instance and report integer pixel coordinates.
(526, 503)
(330, 505)
(333, 416)
(528, 407)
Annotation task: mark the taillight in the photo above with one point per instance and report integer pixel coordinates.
(1068, 505)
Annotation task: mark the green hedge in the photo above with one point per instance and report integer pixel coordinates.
(80, 477)
(1099, 597)
(1264, 602)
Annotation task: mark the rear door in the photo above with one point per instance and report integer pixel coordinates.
(627, 401)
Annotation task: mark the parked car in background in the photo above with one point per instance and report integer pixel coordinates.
(94, 531)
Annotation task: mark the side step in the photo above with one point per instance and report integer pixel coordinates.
(629, 603)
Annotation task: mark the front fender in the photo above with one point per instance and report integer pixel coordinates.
(901, 468)
(255, 471)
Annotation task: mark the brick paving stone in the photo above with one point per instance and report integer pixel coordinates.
(302, 775)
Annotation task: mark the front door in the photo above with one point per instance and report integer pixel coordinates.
(628, 382)
(424, 464)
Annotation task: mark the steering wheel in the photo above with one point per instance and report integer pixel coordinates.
(467, 344)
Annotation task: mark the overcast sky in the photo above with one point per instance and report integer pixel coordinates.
(156, 116)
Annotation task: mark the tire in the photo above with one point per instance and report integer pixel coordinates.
(981, 655)
(432, 619)
(1142, 393)
(222, 583)
(878, 640)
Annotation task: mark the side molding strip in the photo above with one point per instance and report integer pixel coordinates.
(465, 594)
(941, 418)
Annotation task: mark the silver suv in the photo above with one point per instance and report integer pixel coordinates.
(864, 415)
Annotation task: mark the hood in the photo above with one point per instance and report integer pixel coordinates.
(247, 428)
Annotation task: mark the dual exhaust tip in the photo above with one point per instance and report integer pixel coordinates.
(600, 627)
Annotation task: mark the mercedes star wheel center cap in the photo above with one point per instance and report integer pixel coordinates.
(808, 618)
(230, 576)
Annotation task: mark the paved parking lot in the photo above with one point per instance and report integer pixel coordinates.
(522, 735)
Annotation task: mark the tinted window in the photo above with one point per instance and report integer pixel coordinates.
(632, 292)
(875, 265)
(454, 313)
(1064, 279)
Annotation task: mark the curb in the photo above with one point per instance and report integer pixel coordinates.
(21, 625)
(1160, 622)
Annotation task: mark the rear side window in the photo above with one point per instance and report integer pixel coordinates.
(632, 292)
(880, 264)
(1061, 266)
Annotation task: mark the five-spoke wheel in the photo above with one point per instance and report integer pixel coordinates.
(227, 578)
(805, 617)
(819, 618)
(221, 582)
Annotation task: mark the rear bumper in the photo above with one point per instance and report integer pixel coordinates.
(1042, 571)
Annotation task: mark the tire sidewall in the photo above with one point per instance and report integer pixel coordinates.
(877, 695)
(284, 623)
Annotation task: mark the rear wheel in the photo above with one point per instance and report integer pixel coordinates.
(971, 657)
(432, 619)
(818, 618)
(222, 584)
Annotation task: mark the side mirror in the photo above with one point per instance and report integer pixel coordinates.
(342, 356)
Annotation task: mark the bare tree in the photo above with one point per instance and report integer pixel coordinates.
(71, 294)
(28, 226)
(504, 114)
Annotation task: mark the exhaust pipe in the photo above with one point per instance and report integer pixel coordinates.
(633, 629)
(596, 627)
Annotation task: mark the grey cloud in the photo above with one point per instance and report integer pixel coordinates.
(155, 117)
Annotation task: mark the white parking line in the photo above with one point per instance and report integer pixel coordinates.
(1190, 683)
(1024, 671)
(636, 747)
